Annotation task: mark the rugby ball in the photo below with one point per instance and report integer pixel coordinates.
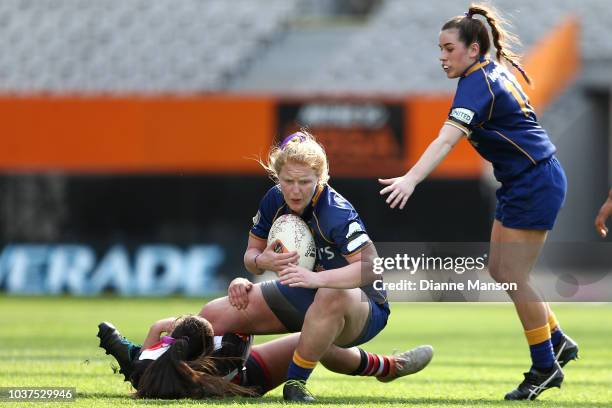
(294, 235)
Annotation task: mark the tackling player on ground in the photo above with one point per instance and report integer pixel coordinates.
(198, 364)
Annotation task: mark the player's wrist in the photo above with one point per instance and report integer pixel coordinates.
(412, 178)
(323, 279)
(258, 269)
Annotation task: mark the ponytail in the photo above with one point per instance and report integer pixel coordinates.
(502, 39)
(179, 373)
(473, 30)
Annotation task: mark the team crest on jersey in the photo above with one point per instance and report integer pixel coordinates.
(463, 115)
(256, 218)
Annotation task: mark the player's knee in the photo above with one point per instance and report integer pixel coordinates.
(500, 275)
(211, 313)
(332, 301)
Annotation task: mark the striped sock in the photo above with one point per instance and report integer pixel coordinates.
(373, 365)
(541, 348)
(556, 334)
(299, 368)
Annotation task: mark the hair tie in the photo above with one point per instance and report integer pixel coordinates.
(290, 137)
(468, 14)
(168, 340)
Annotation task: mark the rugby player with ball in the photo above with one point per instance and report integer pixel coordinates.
(327, 307)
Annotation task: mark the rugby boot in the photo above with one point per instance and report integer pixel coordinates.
(119, 347)
(295, 391)
(536, 382)
(566, 351)
(408, 362)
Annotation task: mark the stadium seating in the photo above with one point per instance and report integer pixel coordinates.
(397, 51)
(131, 46)
(152, 46)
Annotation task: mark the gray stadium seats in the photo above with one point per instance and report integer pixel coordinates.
(63, 46)
(150, 46)
(397, 51)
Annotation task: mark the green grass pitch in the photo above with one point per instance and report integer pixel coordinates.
(480, 354)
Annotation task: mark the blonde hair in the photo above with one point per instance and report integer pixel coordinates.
(300, 147)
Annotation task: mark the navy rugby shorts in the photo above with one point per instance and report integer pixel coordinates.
(532, 199)
(290, 306)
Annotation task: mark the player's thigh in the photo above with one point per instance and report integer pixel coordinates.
(256, 318)
(514, 252)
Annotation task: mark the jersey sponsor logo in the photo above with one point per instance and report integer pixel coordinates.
(357, 242)
(256, 218)
(462, 115)
(326, 253)
(354, 228)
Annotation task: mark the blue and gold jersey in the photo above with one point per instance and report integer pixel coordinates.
(335, 225)
(493, 111)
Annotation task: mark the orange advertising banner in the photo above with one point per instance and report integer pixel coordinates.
(214, 134)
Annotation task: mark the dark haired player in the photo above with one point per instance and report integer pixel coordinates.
(491, 110)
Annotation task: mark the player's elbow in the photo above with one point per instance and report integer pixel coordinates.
(449, 136)
(444, 143)
(368, 273)
(161, 326)
(245, 260)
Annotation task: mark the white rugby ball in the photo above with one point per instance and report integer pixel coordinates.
(294, 235)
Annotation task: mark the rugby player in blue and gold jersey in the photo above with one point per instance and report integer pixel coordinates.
(334, 308)
(325, 305)
(493, 112)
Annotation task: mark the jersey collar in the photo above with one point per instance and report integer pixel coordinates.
(317, 194)
(482, 61)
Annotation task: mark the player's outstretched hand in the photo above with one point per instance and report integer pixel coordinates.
(400, 189)
(604, 213)
(271, 259)
(298, 277)
(238, 293)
